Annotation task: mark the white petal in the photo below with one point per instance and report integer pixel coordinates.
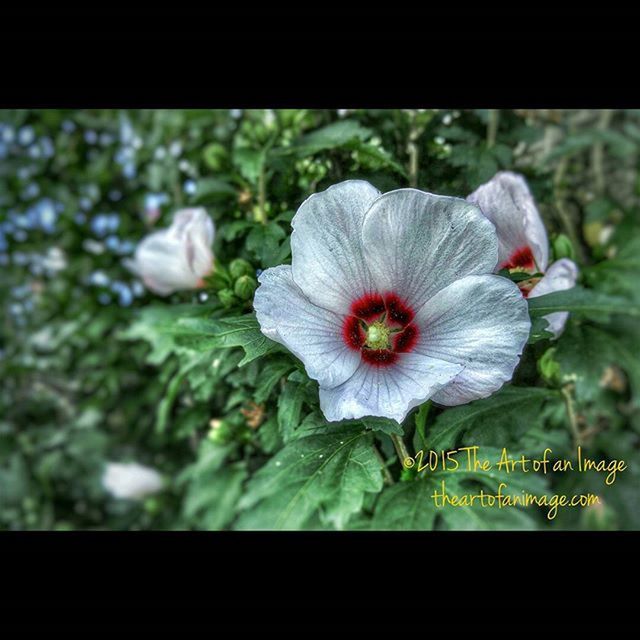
(481, 323)
(179, 257)
(508, 203)
(131, 481)
(561, 275)
(417, 243)
(313, 334)
(389, 392)
(326, 245)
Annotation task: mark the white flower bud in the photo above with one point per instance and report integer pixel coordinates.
(131, 481)
(177, 258)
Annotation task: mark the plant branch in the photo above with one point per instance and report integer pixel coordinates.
(388, 478)
(571, 414)
(401, 449)
(492, 127)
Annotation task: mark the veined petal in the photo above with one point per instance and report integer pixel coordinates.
(313, 334)
(417, 243)
(561, 275)
(508, 203)
(326, 245)
(389, 392)
(481, 323)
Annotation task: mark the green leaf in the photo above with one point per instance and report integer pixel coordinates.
(249, 162)
(501, 417)
(332, 136)
(581, 301)
(585, 351)
(269, 243)
(290, 405)
(210, 189)
(406, 506)
(538, 330)
(161, 326)
(384, 425)
(240, 331)
(272, 373)
(331, 472)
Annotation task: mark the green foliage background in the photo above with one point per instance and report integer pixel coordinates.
(91, 374)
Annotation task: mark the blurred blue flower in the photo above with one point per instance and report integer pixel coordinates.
(68, 126)
(99, 279)
(26, 135)
(112, 243)
(31, 191)
(106, 139)
(80, 218)
(8, 134)
(46, 144)
(90, 136)
(125, 296)
(126, 130)
(190, 187)
(105, 223)
(129, 171)
(138, 288)
(104, 298)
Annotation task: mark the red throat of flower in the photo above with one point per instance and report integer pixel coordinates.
(380, 326)
(522, 261)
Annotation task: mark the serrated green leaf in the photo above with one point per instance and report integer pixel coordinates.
(240, 331)
(326, 471)
(406, 506)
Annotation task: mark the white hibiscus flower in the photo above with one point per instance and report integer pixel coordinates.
(177, 258)
(390, 301)
(131, 481)
(523, 243)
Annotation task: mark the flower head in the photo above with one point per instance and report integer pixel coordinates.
(523, 243)
(389, 301)
(179, 257)
(131, 481)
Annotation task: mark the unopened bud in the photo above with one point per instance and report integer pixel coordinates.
(245, 287)
(239, 268)
(563, 248)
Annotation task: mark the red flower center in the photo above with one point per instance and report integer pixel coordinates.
(380, 326)
(522, 261)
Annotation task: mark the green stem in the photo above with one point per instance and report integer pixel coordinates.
(492, 127)
(388, 478)
(262, 195)
(571, 414)
(401, 449)
(597, 152)
(561, 207)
